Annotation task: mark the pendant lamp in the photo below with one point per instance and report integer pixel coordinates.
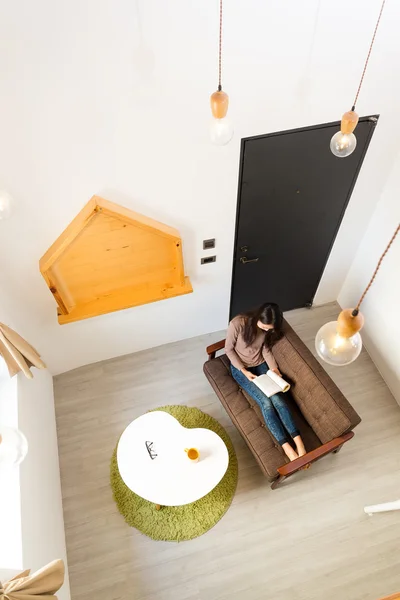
(344, 142)
(13, 447)
(339, 342)
(221, 129)
(6, 205)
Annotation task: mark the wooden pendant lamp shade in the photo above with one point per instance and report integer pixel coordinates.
(219, 100)
(219, 104)
(351, 320)
(111, 258)
(349, 122)
(350, 118)
(348, 324)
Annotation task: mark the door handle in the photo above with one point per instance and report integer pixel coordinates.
(245, 260)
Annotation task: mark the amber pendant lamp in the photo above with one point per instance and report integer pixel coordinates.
(339, 342)
(344, 142)
(221, 127)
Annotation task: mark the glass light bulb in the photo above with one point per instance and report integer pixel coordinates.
(335, 349)
(221, 131)
(13, 447)
(6, 203)
(343, 144)
(3, 369)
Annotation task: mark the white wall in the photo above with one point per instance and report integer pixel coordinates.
(112, 98)
(10, 494)
(381, 333)
(42, 516)
(40, 524)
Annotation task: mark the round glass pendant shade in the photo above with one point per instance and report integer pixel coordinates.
(221, 131)
(6, 203)
(13, 447)
(335, 349)
(343, 144)
(3, 369)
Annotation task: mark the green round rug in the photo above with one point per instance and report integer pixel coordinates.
(179, 523)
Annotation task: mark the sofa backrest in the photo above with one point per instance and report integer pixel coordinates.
(318, 397)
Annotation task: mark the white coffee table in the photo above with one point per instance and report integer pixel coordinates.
(170, 478)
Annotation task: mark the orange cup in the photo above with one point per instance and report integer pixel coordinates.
(193, 454)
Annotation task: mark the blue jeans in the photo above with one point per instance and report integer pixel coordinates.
(276, 413)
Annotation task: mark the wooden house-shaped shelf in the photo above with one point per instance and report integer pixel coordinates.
(110, 258)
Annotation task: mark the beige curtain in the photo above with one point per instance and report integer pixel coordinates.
(42, 584)
(17, 353)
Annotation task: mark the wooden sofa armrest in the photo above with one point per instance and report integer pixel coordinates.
(213, 349)
(314, 455)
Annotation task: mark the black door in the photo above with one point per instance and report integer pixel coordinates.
(293, 193)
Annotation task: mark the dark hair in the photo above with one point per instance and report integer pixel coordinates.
(269, 314)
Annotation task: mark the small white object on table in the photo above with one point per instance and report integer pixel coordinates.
(170, 478)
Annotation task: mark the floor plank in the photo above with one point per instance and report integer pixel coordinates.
(306, 541)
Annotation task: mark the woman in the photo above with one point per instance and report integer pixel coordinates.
(249, 341)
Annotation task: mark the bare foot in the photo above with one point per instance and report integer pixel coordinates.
(288, 450)
(300, 446)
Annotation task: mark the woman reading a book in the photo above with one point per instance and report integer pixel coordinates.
(249, 341)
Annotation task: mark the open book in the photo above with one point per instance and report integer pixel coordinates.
(271, 384)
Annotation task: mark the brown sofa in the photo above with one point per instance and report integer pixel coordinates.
(323, 415)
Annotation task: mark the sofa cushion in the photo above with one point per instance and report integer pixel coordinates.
(246, 415)
(319, 399)
(266, 450)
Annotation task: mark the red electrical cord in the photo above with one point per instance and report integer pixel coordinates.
(357, 308)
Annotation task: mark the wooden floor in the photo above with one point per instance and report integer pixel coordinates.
(308, 540)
